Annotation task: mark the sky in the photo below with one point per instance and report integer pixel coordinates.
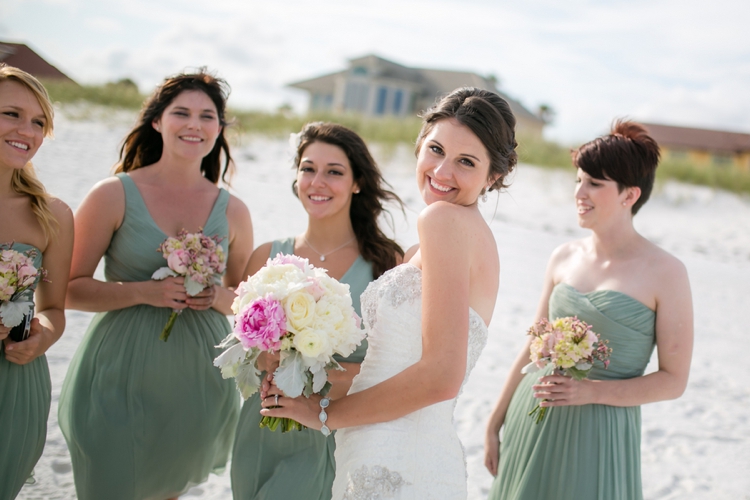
(679, 62)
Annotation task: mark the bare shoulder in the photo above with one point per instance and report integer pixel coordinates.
(562, 253)
(664, 266)
(62, 213)
(237, 211)
(443, 212)
(258, 258)
(448, 218)
(408, 255)
(110, 189)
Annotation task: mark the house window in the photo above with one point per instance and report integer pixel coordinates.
(722, 159)
(359, 70)
(397, 98)
(380, 104)
(678, 154)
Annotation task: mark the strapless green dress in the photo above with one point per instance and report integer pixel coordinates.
(581, 452)
(293, 465)
(143, 418)
(25, 396)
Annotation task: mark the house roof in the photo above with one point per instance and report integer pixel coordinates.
(431, 83)
(22, 57)
(698, 138)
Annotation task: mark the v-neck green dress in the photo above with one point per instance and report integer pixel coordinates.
(293, 465)
(581, 452)
(25, 396)
(147, 419)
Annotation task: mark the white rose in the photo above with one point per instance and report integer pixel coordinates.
(311, 343)
(300, 310)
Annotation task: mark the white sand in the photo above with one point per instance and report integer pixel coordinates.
(696, 447)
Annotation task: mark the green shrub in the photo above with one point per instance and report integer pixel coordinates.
(122, 94)
(723, 177)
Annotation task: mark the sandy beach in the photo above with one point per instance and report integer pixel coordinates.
(696, 447)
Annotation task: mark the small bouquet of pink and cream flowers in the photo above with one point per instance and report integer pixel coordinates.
(196, 257)
(568, 344)
(18, 278)
(295, 309)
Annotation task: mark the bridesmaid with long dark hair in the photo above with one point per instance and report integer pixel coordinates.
(146, 419)
(343, 193)
(32, 222)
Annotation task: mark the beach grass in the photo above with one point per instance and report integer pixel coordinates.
(387, 132)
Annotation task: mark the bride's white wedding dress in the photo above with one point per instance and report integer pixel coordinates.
(418, 456)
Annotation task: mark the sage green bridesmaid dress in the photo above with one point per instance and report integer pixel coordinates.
(581, 452)
(25, 395)
(293, 465)
(146, 419)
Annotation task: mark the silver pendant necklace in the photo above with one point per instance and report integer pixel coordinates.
(323, 255)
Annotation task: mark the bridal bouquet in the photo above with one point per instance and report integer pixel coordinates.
(196, 257)
(294, 308)
(569, 345)
(17, 276)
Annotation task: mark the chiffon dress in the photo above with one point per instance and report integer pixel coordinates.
(293, 465)
(146, 419)
(25, 396)
(589, 451)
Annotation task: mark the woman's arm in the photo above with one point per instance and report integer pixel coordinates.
(497, 417)
(437, 376)
(674, 342)
(240, 247)
(97, 218)
(49, 297)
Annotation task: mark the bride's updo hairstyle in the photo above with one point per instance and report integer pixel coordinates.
(489, 117)
(25, 181)
(367, 205)
(627, 155)
(143, 146)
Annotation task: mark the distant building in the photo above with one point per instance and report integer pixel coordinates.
(702, 146)
(373, 86)
(22, 57)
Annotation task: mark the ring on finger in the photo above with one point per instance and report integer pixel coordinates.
(276, 401)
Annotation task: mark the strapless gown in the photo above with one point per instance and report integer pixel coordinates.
(418, 456)
(589, 451)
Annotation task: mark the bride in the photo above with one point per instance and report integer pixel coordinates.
(426, 319)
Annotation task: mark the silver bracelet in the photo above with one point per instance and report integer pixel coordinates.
(323, 416)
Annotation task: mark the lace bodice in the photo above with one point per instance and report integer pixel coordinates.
(418, 455)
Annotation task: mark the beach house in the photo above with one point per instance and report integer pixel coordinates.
(373, 86)
(702, 147)
(23, 57)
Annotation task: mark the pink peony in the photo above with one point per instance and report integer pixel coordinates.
(178, 261)
(283, 259)
(261, 324)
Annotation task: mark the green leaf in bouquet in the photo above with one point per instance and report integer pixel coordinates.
(319, 378)
(192, 287)
(247, 378)
(230, 359)
(290, 375)
(576, 373)
(162, 273)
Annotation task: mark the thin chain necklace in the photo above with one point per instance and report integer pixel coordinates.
(323, 255)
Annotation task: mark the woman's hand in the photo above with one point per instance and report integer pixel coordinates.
(28, 350)
(204, 300)
(303, 410)
(492, 452)
(169, 292)
(267, 362)
(4, 331)
(559, 390)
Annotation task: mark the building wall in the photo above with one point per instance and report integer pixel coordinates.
(706, 158)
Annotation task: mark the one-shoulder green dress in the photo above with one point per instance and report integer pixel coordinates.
(25, 395)
(293, 465)
(147, 419)
(581, 452)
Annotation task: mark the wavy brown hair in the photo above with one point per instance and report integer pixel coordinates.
(367, 206)
(489, 117)
(143, 146)
(627, 155)
(25, 181)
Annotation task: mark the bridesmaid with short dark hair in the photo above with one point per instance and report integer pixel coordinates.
(632, 293)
